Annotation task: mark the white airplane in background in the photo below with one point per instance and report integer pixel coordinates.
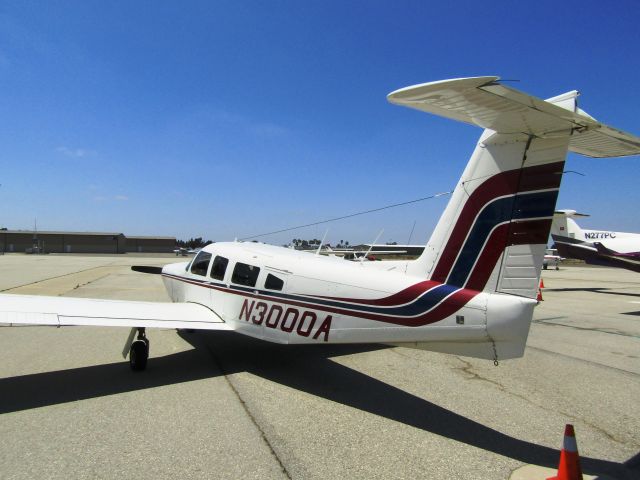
(186, 251)
(352, 254)
(597, 247)
(551, 259)
(471, 292)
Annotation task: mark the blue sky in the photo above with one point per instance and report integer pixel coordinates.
(227, 119)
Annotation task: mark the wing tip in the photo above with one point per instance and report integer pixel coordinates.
(415, 92)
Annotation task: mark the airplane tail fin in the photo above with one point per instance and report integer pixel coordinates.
(563, 225)
(493, 233)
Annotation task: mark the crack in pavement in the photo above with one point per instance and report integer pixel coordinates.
(578, 359)
(245, 407)
(54, 278)
(80, 285)
(467, 368)
(588, 329)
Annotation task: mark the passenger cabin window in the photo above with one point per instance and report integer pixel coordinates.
(219, 268)
(244, 274)
(200, 263)
(273, 283)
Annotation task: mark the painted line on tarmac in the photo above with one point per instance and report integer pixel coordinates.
(599, 330)
(54, 278)
(583, 360)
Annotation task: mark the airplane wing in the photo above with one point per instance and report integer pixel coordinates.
(484, 102)
(595, 255)
(59, 311)
(632, 257)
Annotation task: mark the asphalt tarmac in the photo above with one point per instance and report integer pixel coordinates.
(219, 405)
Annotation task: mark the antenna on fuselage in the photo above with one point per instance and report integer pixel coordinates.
(411, 234)
(321, 242)
(371, 246)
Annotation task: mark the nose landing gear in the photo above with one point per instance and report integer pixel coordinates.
(139, 352)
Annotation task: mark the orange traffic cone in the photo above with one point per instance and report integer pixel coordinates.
(540, 287)
(569, 466)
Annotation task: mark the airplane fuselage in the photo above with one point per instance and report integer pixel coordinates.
(620, 242)
(352, 302)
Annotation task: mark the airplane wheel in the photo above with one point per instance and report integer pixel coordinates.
(138, 355)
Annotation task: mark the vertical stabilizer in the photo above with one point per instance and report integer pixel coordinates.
(493, 233)
(565, 226)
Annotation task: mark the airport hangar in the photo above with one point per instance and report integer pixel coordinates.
(31, 241)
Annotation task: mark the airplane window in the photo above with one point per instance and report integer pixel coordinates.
(273, 283)
(219, 267)
(244, 274)
(200, 263)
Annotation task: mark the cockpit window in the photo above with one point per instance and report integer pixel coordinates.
(273, 283)
(201, 263)
(219, 267)
(244, 274)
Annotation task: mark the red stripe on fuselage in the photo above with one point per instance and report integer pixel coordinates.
(405, 296)
(447, 307)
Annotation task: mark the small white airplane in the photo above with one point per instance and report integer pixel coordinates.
(597, 247)
(182, 251)
(353, 254)
(551, 259)
(471, 292)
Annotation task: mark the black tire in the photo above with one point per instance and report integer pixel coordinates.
(545, 266)
(138, 355)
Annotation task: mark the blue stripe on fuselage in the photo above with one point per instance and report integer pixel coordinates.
(421, 305)
(417, 307)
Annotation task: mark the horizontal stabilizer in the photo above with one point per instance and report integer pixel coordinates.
(147, 269)
(485, 102)
(569, 213)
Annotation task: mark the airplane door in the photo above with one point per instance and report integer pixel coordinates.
(219, 281)
(198, 290)
(274, 281)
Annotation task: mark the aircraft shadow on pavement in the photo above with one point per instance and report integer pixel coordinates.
(305, 368)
